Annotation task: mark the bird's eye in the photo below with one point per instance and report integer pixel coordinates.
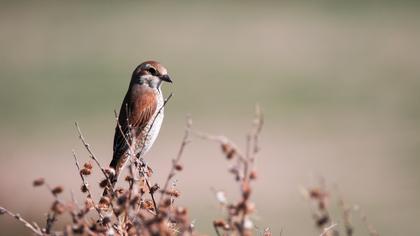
(152, 70)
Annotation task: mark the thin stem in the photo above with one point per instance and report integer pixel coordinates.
(92, 155)
(85, 183)
(33, 228)
(175, 162)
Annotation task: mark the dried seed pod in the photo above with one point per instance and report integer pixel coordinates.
(88, 165)
(104, 203)
(103, 183)
(154, 188)
(317, 193)
(322, 220)
(135, 200)
(173, 192)
(84, 188)
(149, 172)
(228, 150)
(106, 220)
(221, 224)
(122, 199)
(121, 191)
(178, 167)
(104, 200)
(57, 190)
(129, 178)
(38, 182)
(148, 204)
(85, 171)
(78, 229)
(167, 202)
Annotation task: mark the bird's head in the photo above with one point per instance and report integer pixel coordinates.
(151, 73)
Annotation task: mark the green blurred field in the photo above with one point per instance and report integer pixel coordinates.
(338, 83)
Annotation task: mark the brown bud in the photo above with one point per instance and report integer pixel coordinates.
(104, 200)
(148, 204)
(88, 166)
(103, 183)
(134, 201)
(228, 150)
(221, 224)
(2, 211)
(320, 222)
(154, 188)
(120, 191)
(57, 190)
(167, 202)
(122, 199)
(106, 220)
(38, 182)
(218, 223)
(85, 171)
(149, 171)
(84, 188)
(78, 229)
(173, 192)
(318, 194)
(178, 167)
(128, 178)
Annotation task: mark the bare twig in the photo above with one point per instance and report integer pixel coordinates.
(217, 230)
(175, 162)
(238, 213)
(86, 185)
(372, 231)
(28, 225)
(92, 155)
(327, 229)
(152, 194)
(221, 140)
(346, 210)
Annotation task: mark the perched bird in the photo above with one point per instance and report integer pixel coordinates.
(140, 116)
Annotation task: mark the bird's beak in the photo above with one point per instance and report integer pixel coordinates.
(166, 78)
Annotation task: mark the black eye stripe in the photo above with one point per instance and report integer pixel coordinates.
(152, 70)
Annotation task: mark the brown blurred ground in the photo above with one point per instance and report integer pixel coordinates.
(338, 84)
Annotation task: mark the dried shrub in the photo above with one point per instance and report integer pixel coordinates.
(144, 208)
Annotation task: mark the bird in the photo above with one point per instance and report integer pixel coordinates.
(140, 117)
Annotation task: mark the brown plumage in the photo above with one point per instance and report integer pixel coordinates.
(139, 109)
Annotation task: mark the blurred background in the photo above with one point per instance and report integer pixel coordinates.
(338, 83)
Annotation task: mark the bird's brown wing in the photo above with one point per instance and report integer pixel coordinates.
(137, 110)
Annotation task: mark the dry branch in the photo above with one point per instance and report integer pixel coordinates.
(34, 228)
